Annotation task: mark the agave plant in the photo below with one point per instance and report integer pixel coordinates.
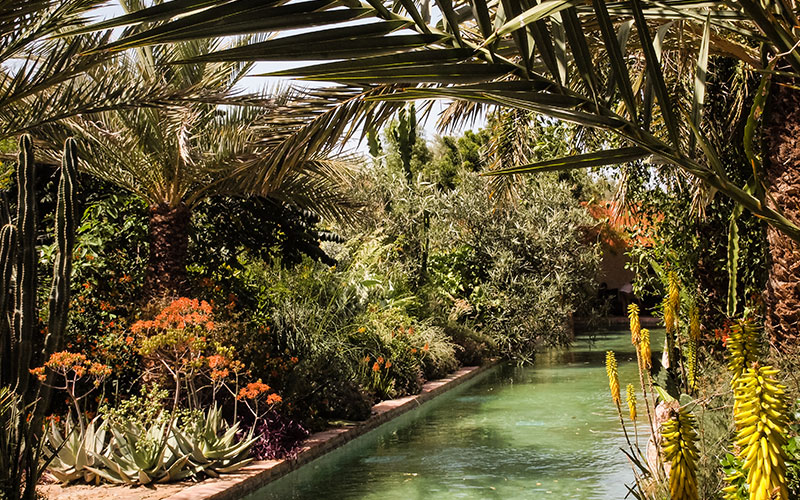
(139, 455)
(74, 453)
(213, 447)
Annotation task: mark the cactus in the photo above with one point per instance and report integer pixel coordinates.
(405, 133)
(21, 344)
(20, 316)
(25, 318)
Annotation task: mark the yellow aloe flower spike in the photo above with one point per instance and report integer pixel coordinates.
(691, 364)
(630, 398)
(674, 296)
(694, 323)
(679, 446)
(743, 348)
(644, 349)
(669, 315)
(613, 377)
(636, 327)
(762, 422)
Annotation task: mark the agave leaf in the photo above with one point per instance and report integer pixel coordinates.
(177, 471)
(144, 478)
(234, 467)
(108, 476)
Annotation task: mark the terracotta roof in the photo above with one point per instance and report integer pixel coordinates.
(617, 227)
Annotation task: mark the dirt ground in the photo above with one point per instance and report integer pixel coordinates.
(110, 492)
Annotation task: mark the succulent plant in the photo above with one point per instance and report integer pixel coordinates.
(75, 452)
(213, 447)
(142, 455)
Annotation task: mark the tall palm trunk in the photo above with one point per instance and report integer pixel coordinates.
(169, 242)
(782, 147)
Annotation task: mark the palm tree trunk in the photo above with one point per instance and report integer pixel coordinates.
(169, 242)
(782, 152)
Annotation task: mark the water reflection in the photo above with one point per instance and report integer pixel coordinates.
(546, 431)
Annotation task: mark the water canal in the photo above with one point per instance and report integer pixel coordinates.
(543, 431)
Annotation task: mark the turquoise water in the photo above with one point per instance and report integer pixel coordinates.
(544, 431)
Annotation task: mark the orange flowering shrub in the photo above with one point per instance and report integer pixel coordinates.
(180, 314)
(73, 367)
(179, 343)
(253, 395)
(253, 390)
(178, 336)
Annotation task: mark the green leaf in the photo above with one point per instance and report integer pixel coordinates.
(157, 12)
(663, 394)
(446, 6)
(411, 73)
(415, 15)
(700, 75)
(480, 12)
(393, 62)
(599, 158)
(222, 22)
(619, 68)
(580, 50)
(750, 128)
(544, 9)
(732, 264)
(656, 75)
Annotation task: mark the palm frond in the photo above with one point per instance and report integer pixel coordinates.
(582, 62)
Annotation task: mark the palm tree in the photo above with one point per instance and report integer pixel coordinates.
(603, 65)
(216, 142)
(43, 73)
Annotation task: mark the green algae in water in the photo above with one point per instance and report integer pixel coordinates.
(544, 431)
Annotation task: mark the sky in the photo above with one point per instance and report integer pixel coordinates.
(255, 83)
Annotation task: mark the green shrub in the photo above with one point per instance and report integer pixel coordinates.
(472, 347)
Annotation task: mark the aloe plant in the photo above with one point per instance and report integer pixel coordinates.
(75, 452)
(142, 455)
(213, 445)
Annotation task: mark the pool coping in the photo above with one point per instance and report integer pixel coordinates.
(257, 474)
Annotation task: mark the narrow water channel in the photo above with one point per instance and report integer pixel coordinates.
(544, 431)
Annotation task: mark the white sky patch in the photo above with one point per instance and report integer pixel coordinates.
(257, 83)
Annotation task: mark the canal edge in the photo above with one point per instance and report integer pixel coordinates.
(260, 473)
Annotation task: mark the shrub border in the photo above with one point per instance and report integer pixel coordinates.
(257, 474)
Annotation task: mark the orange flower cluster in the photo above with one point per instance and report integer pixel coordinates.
(65, 362)
(376, 367)
(254, 389)
(221, 366)
(180, 314)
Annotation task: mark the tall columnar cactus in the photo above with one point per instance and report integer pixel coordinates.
(21, 342)
(406, 136)
(8, 244)
(25, 318)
